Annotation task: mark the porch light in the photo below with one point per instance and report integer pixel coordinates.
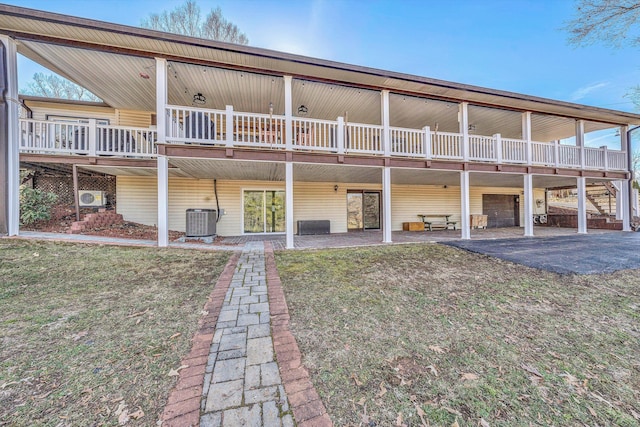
(302, 110)
(199, 99)
(471, 128)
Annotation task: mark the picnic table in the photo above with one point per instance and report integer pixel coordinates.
(438, 221)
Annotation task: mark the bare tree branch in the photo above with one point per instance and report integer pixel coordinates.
(609, 21)
(54, 86)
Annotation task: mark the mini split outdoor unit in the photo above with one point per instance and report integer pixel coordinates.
(201, 222)
(90, 198)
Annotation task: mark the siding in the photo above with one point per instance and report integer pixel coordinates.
(133, 118)
(312, 200)
(42, 109)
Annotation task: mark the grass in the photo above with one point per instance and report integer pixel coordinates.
(422, 335)
(91, 332)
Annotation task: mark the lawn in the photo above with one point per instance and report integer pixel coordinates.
(429, 335)
(90, 333)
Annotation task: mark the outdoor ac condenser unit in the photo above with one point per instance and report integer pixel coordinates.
(201, 222)
(89, 198)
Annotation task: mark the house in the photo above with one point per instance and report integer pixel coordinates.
(272, 139)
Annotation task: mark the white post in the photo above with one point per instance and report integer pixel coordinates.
(92, 137)
(526, 134)
(340, 136)
(386, 204)
(626, 220)
(605, 153)
(229, 125)
(556, 153)
(163, 201)
(580, 140)
(463, 120)
(13, 139)
(465, 211)
(427, 142)
(619, 200)
(163, 161)
(288, 208)
(498, 139)
(288, 113)
(528, 205)
(386, 132)
(582, 205)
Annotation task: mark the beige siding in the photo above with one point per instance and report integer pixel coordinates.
(43, 109)
(133, 118)
(137, 201)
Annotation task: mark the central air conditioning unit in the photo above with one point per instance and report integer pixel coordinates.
(89, 198)
(201, 222)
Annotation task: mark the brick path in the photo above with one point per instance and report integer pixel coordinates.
(242, 384)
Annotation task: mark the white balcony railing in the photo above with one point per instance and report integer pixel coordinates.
(238, 129)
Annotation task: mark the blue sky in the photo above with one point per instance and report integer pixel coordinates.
(514, 45)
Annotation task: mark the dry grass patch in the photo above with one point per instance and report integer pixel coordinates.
(432, 335)
(89, 333)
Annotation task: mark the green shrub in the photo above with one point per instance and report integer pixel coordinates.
(35, 205)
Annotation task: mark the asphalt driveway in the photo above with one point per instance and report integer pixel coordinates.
(575, 254)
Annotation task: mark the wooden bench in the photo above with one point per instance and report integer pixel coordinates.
(436, 221)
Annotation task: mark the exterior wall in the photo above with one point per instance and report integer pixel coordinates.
(137, 201)
(139, 119)
(42, 109)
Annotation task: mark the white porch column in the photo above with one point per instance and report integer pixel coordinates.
(163, 201)
(526, 134)
(288, 113)
(528, 205)
(12, 161)
(288, 207)
(386, 204)
(465, 210)
(163, 161)
(619, 201)
(580, 140)
(463, 121)
(582, 205)
(626, 220)
(386, 132)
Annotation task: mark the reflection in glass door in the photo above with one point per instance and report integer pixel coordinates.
(363, 210)
(264, 211)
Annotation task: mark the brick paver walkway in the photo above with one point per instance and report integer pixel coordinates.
(242, 384)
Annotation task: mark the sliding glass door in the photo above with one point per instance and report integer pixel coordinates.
(363, 210)
(264, 211)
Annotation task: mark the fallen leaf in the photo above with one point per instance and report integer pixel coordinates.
(176, 372)
(399, 419)
(8, 384)
(382, 391)
(362, 401)
(36, 254)
(140, 313)
(80, 335)
(122, 413)
(468, 376)
(455, 424)
(635, 415)
(484, 423)
(139, 320)
(531, 370)
(433, 370)
(452, 411)
(356, 380)
(592, 412)
(137, 415)
(204, 312)
(436, 349)
(176, 335)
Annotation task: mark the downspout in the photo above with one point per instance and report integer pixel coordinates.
(631, 177)
(29, 110)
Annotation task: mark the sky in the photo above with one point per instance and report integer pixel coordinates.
(512, 45)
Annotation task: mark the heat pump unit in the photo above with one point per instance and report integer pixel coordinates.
(201, 222)
(90, 198)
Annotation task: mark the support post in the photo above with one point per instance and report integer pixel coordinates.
(76, 196)
(288, 113)
(465, 211)
(9, 139)
(582, 205)
(556, 153)
(288, 208)
(626, 218)
(386, 132)
(229, 125)
(498, 139)
(161, 100)
(427, 142)
(463, 120)
(528, 205)
(340, 136)
(93, 140)
(619, 200)
(605, 153)
(386, 204)
(580, 140)
(163, 201)
(526, 134)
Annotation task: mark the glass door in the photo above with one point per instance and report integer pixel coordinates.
(363, 210)
(264, 211)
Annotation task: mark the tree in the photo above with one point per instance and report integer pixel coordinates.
(54, 86)
(187, 20)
